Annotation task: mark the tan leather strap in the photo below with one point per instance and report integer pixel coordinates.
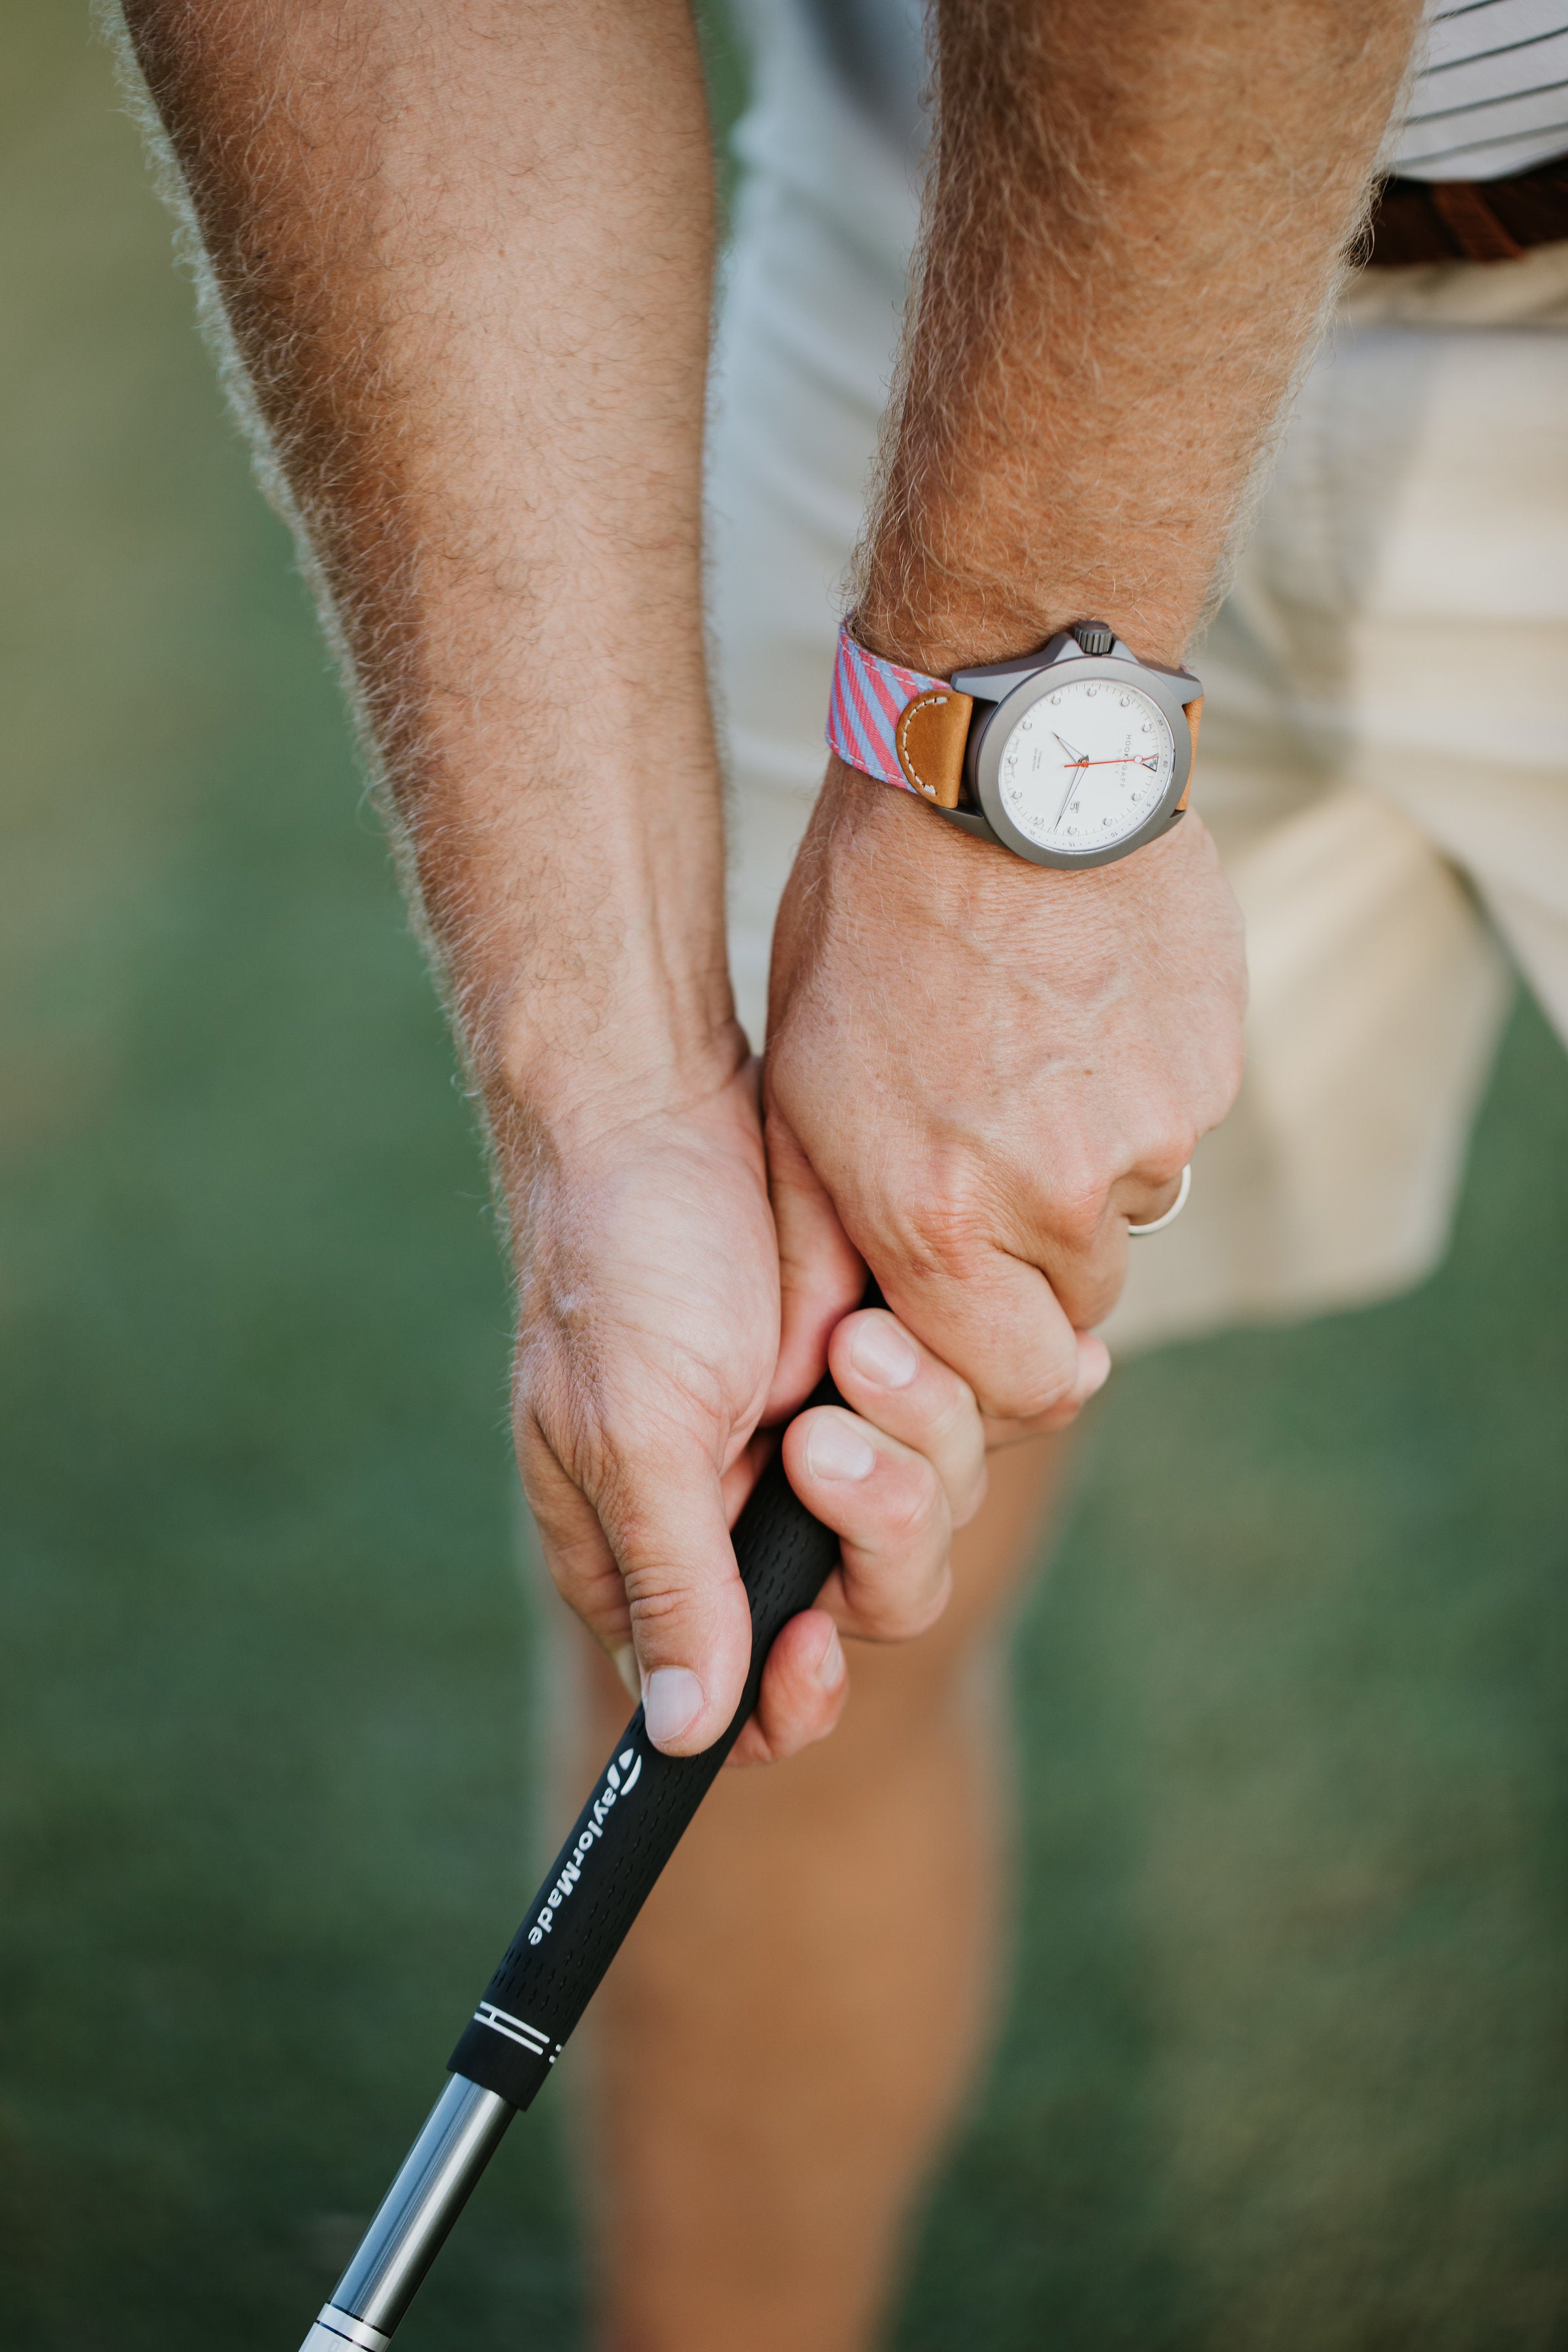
(1195, 711)
(930, 737)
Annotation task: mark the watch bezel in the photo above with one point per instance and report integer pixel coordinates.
(1168, 691)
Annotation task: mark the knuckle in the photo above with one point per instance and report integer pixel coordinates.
(649, 1563)
(913, 1505)
(945, 1405)
(943, 1233)
(652, 1600)
(1035, 1390)
(1077, 1211)
(961, 1451)
(1180, 1144)
(1168, 1151)
(1090, 1303)
(896, 1614)
(975, 1487)
(1228, 1081)
(1052, 1400)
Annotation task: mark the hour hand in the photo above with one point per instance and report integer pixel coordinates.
(1073, 784)
(1079, 758)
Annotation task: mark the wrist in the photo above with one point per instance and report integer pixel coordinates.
(560, 1073)
(911, 873)
(974, 617)
(563, 1155)
(579, 921)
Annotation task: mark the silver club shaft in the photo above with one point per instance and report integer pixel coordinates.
(460, 2135)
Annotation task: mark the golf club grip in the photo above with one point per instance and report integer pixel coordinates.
(634, 1820)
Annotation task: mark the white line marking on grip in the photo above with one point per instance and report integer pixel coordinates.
(501, 2021)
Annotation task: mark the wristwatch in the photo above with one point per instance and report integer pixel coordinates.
(1071, 756)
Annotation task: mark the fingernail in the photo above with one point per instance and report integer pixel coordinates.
(625, 1661)
(881, 1350)
(836, 1450)
(829, 1668)
(671, 1700)
(1093, 1365)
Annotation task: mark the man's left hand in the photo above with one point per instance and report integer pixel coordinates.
(979, 1072)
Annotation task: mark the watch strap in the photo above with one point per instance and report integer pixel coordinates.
(899, 725)
(1194, 713)
(907, 728)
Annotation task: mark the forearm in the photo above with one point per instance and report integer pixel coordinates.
(465, 253)
(982, 1071)
(463, 247)
(1134, 219)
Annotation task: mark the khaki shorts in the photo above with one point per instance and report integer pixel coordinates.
(1384, 760)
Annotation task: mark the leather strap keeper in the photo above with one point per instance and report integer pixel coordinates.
(1194, 713)
(930, 741)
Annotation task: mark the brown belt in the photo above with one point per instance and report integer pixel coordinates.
(1468, 220)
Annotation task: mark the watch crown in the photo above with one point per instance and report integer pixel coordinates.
(1093, 636)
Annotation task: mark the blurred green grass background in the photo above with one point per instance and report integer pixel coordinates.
(1284, 2064)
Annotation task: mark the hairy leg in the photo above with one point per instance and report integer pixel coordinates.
(777, 2055)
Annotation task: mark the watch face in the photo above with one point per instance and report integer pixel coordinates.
(1086, 765)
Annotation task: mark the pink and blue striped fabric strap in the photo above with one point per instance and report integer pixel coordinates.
(869, 697)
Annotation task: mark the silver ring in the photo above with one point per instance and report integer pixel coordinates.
(1142, 1233)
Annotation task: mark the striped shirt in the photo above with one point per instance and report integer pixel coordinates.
(1489, 94)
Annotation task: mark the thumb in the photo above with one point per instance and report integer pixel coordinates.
(822, 1275)
(664, 1519)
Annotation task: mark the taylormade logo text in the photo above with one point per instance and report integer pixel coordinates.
(619, 1781)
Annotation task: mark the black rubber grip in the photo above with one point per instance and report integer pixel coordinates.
(634, 1821)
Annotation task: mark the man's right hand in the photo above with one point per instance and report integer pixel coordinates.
(648, 1333)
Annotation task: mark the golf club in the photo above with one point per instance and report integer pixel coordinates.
(627, 1832)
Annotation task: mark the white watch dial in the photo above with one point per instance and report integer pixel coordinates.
(1086, 765)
